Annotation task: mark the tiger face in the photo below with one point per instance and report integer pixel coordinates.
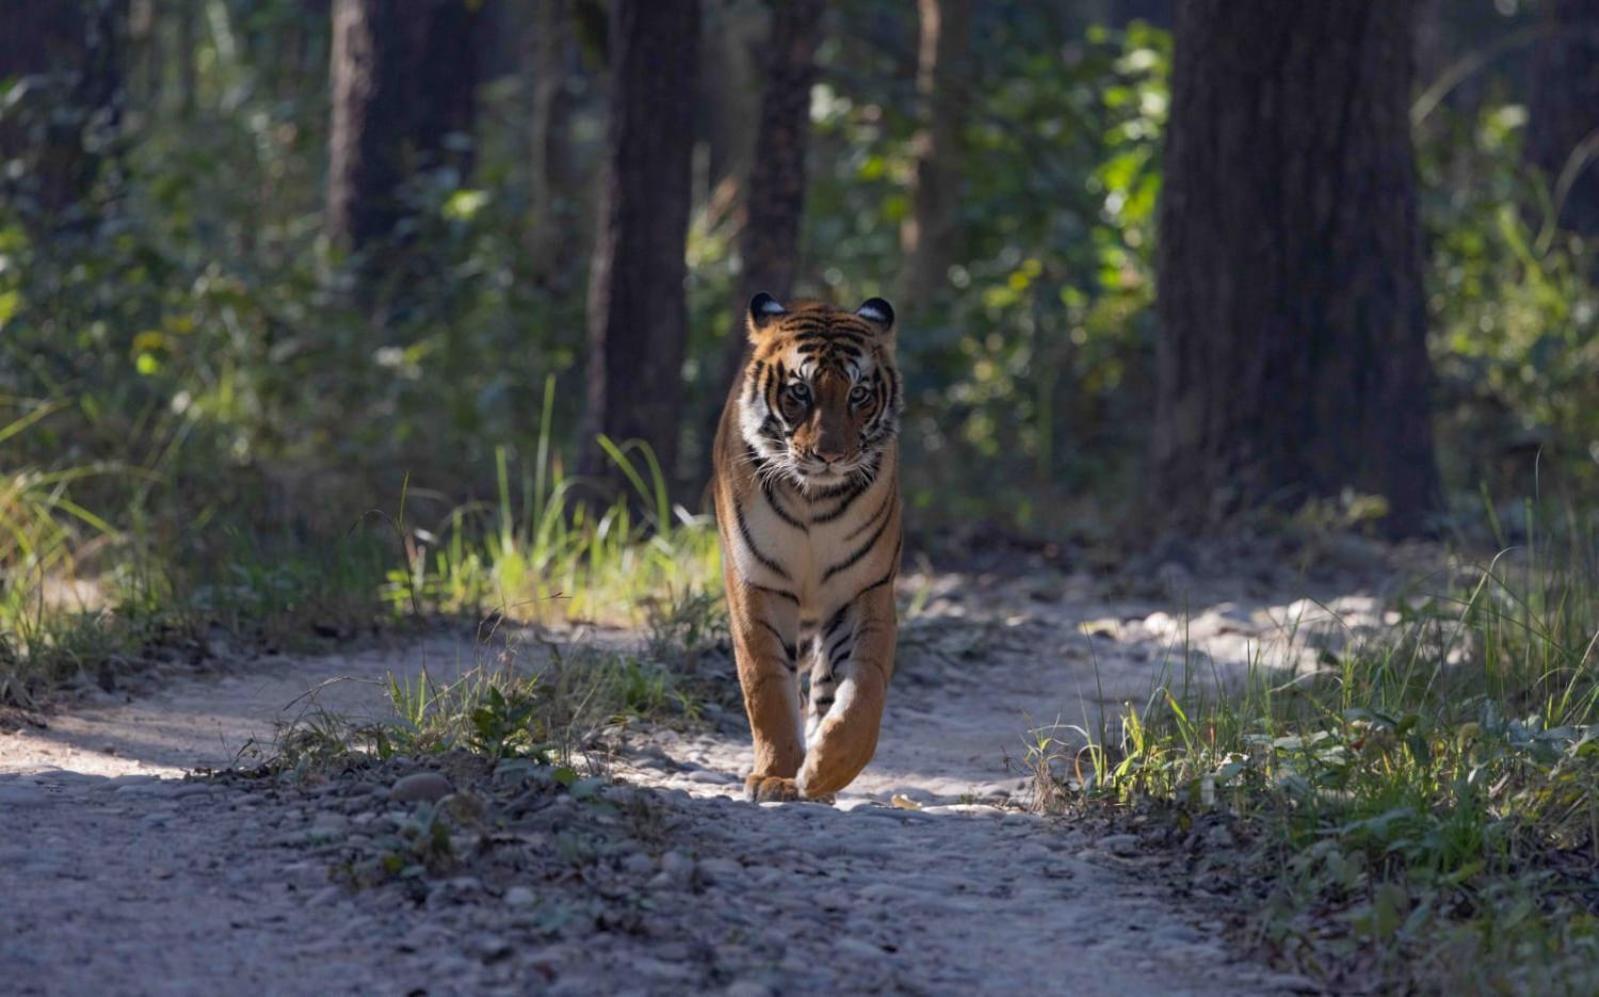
(821, 397)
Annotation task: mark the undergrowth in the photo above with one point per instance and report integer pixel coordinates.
(82, 597)
(1423, 807)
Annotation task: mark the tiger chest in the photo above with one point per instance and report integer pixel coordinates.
(823, 552)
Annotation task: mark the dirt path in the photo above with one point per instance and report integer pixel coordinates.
(119, 878)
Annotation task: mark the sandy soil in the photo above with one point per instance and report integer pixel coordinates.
(122, 878)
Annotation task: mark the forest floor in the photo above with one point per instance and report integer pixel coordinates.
(929, 875)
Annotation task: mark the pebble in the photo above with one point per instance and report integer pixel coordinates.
(720, 870)
(420, 787)
(519, 896)
(1120, 844)
(638, 864)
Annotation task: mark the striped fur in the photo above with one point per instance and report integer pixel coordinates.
(807, 499)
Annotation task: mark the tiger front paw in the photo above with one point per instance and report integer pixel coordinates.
(770, 789)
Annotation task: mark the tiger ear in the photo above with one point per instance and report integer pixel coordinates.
(878, 312)
(763, 309)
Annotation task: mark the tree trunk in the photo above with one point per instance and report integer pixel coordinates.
(1292, 361)
(367, 136)
(928, 237)
(552, 178)
(637, 316)
(68, 57)
(1563, 116)
(444, 59)
(1155, 12)
(774, 198)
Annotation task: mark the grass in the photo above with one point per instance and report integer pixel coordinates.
(526, 699)
(1424, 811)
(81, 598)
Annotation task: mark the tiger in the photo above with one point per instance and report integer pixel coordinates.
(806, 493)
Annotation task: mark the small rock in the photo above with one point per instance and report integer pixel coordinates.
(1220, 837)
(420, 787)
(1120, 844)
(519, 896)
(638, 864)
(677, 867)
(492, 947)
(720, 870)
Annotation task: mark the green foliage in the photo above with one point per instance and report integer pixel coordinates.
(1514, 308)
(1404, 798)
(1033, 356)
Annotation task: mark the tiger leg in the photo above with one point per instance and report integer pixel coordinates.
(764, 627)
(844, 726)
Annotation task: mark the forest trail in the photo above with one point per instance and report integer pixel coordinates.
(120, 878)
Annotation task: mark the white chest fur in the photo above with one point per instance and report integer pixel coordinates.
(822, 550)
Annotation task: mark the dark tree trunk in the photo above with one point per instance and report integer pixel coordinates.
(1292, 361)
(774, 196)
(774, 199)
(70, 55)
(1155, 12)
(552, 180)
(929, 235)
(1563, 116)
(729, 81)
(444, 59)
(367, 138)
(637, 317)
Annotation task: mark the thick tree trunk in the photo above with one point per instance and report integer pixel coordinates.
(637, 317)
(68, 57)
(367, 138)
(928, 237)
(1292, 361)
(444, 59)
(1563, 116)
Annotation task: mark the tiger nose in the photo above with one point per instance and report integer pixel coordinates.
(829, 452)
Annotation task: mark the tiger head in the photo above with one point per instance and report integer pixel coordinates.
(820, 400)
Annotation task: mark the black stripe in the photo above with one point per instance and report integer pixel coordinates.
(859, 553)
(843, 507)
(771, 500)
(780, 593)
(789, 650)
(832, 652)
(822, 703)
(835, 620)
(893, 569)
(888, 500)
(755, 379)
(749, 541)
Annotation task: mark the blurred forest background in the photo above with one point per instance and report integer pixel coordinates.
(269, 265)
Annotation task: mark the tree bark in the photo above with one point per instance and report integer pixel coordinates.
(637, 315)
(68, 58)
(367, 136)
(1292, 361)
(444, 59)
(774, 198)
(1155, 12)
(928, 237)
(1563, 113)
(552, 180)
